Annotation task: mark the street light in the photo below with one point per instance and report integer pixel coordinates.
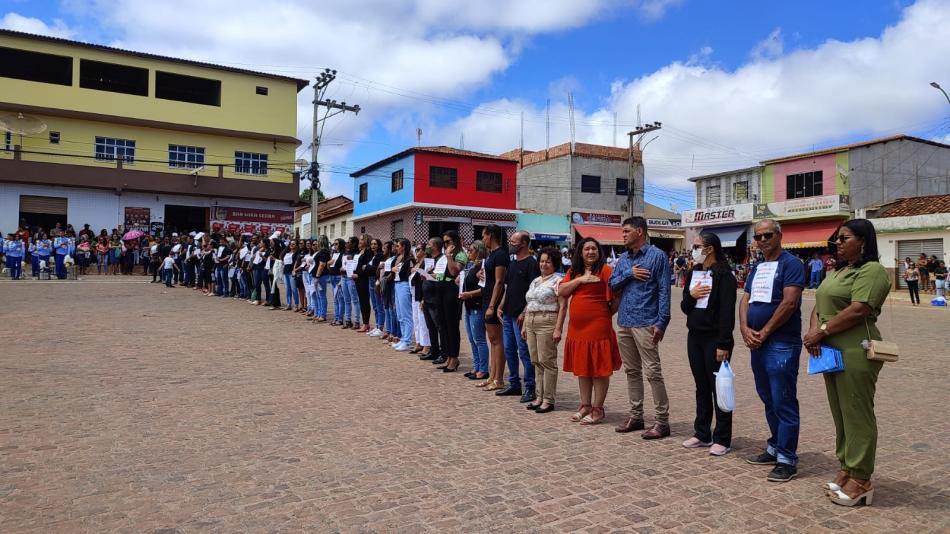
(936, 86)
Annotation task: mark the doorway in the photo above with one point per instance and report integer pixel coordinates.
(184, 219)
(43, 212)
(436, 228)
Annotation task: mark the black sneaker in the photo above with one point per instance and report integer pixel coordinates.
(782, 473)
(763, 459)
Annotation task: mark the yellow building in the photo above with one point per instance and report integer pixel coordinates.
(111, 137)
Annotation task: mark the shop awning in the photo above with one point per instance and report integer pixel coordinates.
(666, 235)
(808, 235)
(729, 235)
(606, 235)
(549, 237)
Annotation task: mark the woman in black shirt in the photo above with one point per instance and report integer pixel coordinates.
(402, 266)
(321, 277)
(419, 324)
(474, 317)
(496, 266)
(363, 275)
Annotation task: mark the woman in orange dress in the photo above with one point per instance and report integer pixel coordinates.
(590, 349)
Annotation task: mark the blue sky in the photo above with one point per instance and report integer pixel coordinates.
(732, 82)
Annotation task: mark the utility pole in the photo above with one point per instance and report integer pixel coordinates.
(332, 108)
(635, 178)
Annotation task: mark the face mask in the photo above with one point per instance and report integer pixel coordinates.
(698, 256)
(429, 251)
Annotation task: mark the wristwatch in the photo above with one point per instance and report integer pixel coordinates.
(824, 328)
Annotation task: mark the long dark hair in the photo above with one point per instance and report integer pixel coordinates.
(454, 236)
(577, 262)
(712, 240)
(863, 229)
(497, 234)
(406, 248)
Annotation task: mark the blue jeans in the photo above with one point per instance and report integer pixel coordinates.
(516, 347)
(221, 281)
(377, 301)
(60, 266)
(815, 280)
(15, 264)
(338, 302)
(775, 368)
(404, 311)
(351, 300)
(167, 275)
(475, 326)
(261, 278)
(290, 285)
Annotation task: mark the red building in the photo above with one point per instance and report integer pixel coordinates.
(423, 191)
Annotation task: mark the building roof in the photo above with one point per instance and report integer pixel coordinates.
(725, 173)
(328, 207)
(430, 150)
(906, 207)
(655, 212)
(842, 148)
(300, 82)
(582, 150)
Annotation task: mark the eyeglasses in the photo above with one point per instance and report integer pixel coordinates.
(697, 247)
(764, 237)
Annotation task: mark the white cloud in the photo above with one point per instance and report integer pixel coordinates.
(656, 9)
(715, 119)
(770, 47)
(17, 22)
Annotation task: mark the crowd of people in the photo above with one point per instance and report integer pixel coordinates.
(514, 303)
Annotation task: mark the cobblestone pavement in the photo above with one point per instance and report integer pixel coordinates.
(131, 408)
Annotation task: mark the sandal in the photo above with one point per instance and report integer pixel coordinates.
(862, 490)
(591, 419)
(495, 385)
(582, 412)
(483, 384)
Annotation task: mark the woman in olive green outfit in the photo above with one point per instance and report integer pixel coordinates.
(847, 305)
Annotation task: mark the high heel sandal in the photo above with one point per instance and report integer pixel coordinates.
(590, 418)
(581, 413)
(496, 384)
(483, 384)
(862, 492)
(840, 480)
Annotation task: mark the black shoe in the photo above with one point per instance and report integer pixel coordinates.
(440, 360)
(469, 374)
(428, 357)
(782, 473)
(533, 407)
(763, 459)
(510, 391)
(449, 369)
(529, 396)
(550, 408)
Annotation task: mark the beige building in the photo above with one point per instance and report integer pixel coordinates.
(335, 220)
(910, 227)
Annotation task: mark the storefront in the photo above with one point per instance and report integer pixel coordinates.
(250, 221)
(667, 234)
(545, 230)
(807, 223)
(418, 224)
(732, 224)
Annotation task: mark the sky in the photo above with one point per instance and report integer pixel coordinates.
(732, 83)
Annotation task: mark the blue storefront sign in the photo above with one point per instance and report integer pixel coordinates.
(550, 237)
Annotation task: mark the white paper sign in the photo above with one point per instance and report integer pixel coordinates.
(423, 274)
(388, 265)
(764, 281)
(441, 265)
(701, 278)
(481, 283)
(430, 263)
(334, 257)
(350, 266)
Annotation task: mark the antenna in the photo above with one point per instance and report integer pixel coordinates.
(615, 129)
(547, 128)
(570, 106)
(462, 141)
(418, 136)
(521, 142)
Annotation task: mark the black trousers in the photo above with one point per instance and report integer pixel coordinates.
(701, 349)
(362, 291)
(430, 309)
(914, 287)
(448, 315)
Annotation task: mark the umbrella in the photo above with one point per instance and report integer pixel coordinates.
(132, 234)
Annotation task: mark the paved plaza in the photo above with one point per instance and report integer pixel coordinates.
(128, 407)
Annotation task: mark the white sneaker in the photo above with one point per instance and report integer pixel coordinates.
(401, 347)
(394, 343)
(376, 332)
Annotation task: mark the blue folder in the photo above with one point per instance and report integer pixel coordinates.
(829, 361)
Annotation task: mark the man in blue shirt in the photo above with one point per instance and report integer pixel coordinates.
(641, 281)
(40, 251)
(815, 267)
(64, 247)
(770, 318)
(13, 251)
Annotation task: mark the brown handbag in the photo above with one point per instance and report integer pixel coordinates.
(880, 351)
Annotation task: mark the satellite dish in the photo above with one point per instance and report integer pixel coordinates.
(20, 124)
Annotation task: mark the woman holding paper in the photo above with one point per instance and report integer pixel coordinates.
(402, 265)
(709, 302)
(336, 280)
(351, 298)
(847, 305)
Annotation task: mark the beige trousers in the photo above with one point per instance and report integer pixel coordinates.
(539, 326)
(641, 356)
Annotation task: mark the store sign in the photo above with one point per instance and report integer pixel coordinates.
(550, 237)
(137, 218)
(250, 221)
(804, 207)
(720, 215)
(583, 217)
(663, 223)
(486, 222)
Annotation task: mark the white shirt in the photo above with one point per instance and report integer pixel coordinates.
(168, 263)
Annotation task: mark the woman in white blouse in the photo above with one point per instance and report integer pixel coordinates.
(543, 324)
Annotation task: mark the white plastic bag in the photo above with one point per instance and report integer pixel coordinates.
(725, 388)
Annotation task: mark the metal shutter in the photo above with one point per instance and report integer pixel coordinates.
(50, 205)
(913, 249)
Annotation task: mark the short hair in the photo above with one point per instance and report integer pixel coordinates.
(553, 254)
(775, 224)
(481, 251)
(636, 222)
(438, 242)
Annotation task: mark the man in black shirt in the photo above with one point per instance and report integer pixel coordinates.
(522, 270)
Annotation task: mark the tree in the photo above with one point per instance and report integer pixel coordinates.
(307, 194)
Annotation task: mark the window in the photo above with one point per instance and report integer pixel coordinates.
(443, 177)
(332, 231)
(250, 163)
(35, 66)
(7, 141)
(623, 186)
(114, 78)
(397, 181)
(489, 182)
(108, 149)
(590, 184)
(187, 157)
(362, 229)
(397, 229)
(740, 191)
(806, 184)
(169, 86)
(364, 192)
(261, 90)
(54, 138)
(713, 195)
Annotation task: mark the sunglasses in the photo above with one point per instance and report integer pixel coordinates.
(841, 239)
(764, 237)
